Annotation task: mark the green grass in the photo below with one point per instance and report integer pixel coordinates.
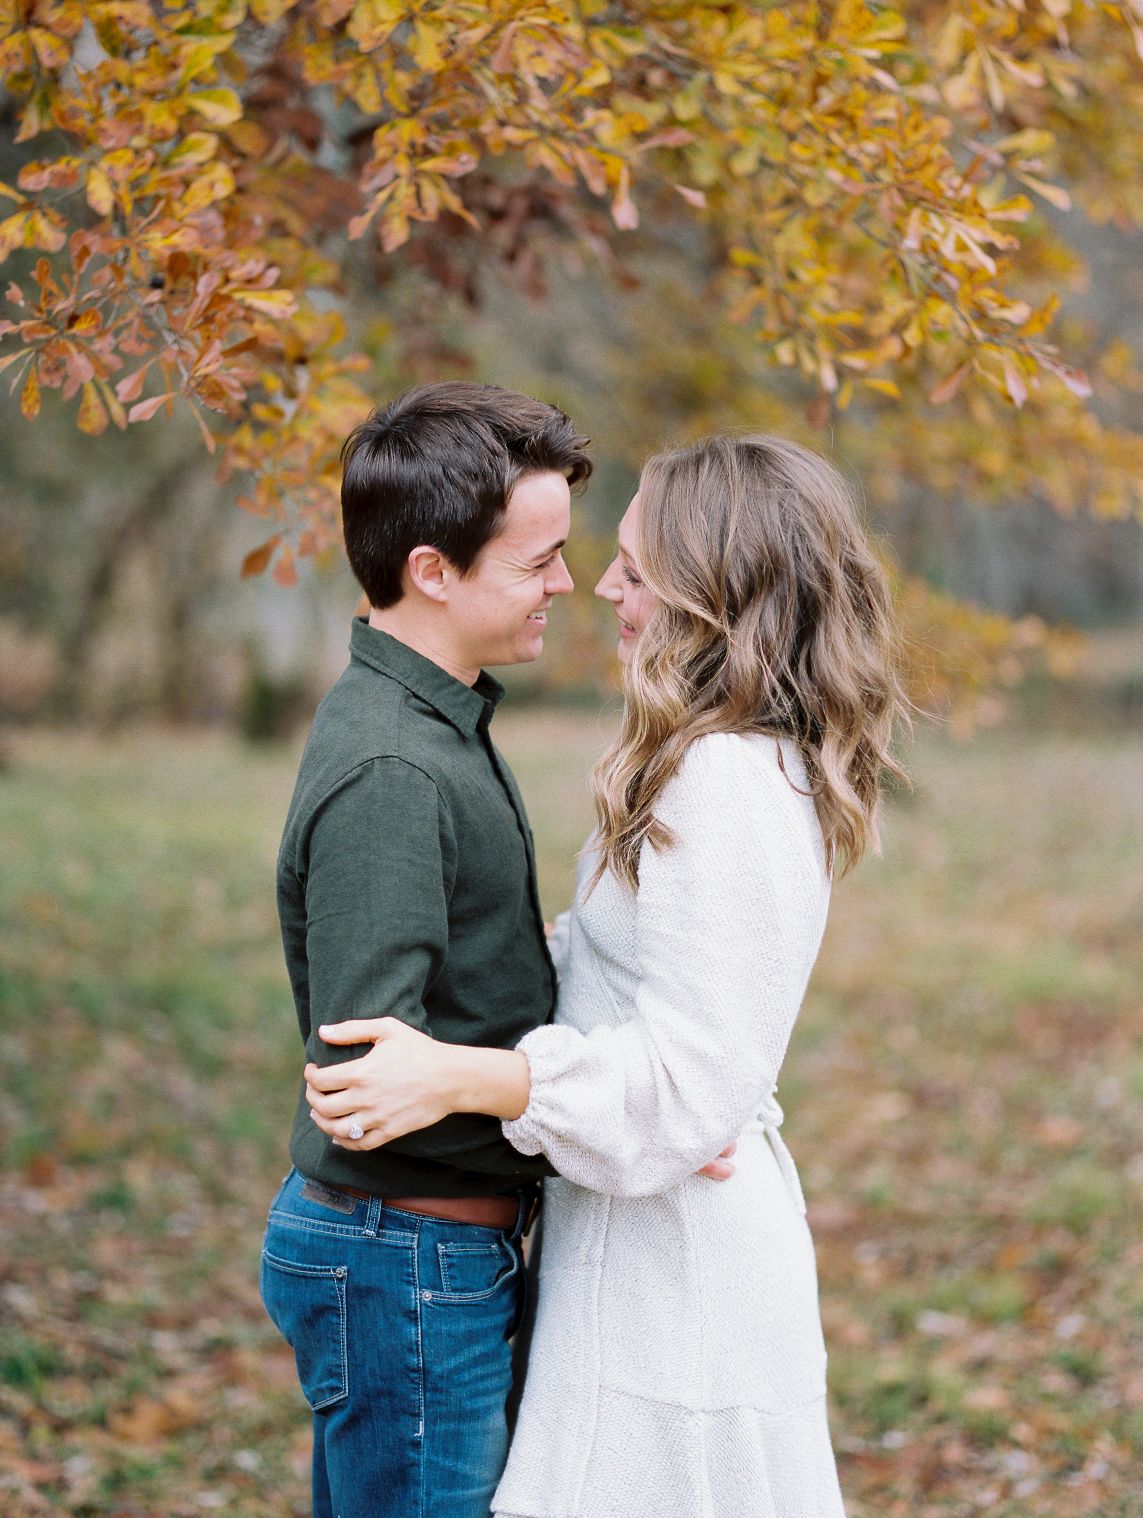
(962, 1095)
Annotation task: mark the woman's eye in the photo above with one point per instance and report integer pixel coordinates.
(630, 578)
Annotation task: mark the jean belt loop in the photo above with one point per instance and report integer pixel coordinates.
(372, 1217)
(530, 1197)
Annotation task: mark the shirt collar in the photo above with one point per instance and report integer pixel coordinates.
(462, 705)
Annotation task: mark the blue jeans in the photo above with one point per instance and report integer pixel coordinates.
(400, 1326)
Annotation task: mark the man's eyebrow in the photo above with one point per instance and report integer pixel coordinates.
(546, 553)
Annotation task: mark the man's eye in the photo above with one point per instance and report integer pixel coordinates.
(547, 563)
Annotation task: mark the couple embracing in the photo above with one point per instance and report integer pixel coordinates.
(462, 1059)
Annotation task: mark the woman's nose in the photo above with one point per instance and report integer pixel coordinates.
(609, 588)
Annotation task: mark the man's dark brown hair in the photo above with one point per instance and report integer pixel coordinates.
(436, 466)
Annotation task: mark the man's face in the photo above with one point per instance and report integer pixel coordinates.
(498, 612)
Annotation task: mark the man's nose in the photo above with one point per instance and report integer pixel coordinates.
(561, 582)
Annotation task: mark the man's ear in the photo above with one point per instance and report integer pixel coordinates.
(429, 572)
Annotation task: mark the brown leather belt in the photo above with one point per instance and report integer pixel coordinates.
(485, 1211)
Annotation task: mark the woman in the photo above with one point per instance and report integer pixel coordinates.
(677, 1367)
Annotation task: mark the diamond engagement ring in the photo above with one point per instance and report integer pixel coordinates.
(356, 1131)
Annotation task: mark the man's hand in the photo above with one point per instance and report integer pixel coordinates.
(720, 1169)
(405, 1082)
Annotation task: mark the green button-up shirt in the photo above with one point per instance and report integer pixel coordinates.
(407, 888)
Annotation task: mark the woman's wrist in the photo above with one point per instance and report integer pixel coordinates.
(493, 1081)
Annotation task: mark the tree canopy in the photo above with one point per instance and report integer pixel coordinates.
(878, 190)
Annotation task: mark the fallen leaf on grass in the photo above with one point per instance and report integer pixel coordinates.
(146, 1420)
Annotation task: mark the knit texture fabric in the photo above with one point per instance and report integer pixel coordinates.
(677, 1368)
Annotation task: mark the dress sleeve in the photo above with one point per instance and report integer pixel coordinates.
(727, 926)
(559, 941)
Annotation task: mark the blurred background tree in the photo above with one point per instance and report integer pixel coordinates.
(906, 234)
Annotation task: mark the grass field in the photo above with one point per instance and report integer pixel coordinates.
(962, 1094)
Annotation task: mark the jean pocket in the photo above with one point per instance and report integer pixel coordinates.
(306, 1304)
(471, 1272)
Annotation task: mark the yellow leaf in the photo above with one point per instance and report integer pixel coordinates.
(373, 20)
(92, 415)
(268, 302)
(1014, 382)
(269, 11)
(30, 395)
(882, 386)
(100, 195)
(219, 106)
(426, 46)
(12, 230)
(45, 229)
(195, 148)
(1029, 143)
(1054, 194)
(216, 183)
(52, 51)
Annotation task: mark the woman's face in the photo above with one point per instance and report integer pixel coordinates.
(623, 586)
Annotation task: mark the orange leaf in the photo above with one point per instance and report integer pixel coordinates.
(623, 209)
(257, 559)
(143, 411)
(694, 198)
(130, 388)
(948, 387)
(1054, 194)
(284, 572)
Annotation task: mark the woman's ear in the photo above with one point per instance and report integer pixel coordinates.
(429, 572)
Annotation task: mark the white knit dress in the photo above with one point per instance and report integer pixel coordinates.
(677, 1368)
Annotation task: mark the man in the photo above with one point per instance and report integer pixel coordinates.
(407, 887)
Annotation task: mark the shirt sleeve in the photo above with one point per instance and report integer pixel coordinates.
(727, 926)
(377, 932)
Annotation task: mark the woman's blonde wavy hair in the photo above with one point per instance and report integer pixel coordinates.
(773, 616)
